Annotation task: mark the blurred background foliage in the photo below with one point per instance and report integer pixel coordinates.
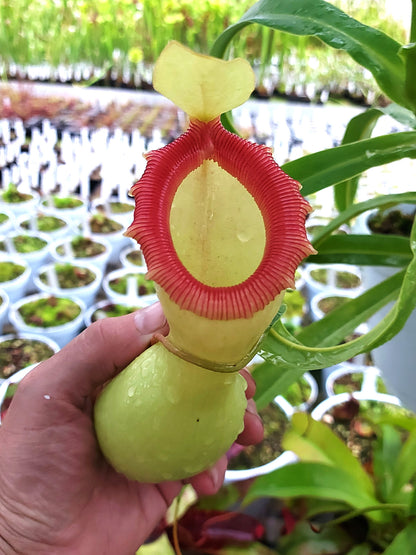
(115, 42)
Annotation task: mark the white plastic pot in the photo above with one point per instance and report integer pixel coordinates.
(287, 457)
(30, 336)
(132, 295)
(60, 334)
(4, 309)
(100, 261)
(19, 208)
(16, 288)
(313, 286)
(73, 215)
(85, 293)
(35, 259)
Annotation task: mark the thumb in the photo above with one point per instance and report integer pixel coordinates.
(96, 355)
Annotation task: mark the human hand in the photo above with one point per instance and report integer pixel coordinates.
(57, 492)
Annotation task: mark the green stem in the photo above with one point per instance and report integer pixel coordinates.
(359, 512)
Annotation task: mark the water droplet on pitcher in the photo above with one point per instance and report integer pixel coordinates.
(243, 236)
(131, 391)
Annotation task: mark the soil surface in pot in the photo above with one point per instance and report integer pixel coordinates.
(113, 309)
(144, 286)
(82, 247)
(353, 381)
(63, 203)
(343, 279)
(25, 244)
(70, 276)
(49, 311)
(45, 223)
(135, 257)
(117, 207)
(10, 271)
(12, 195)
(17, 353)
(275, 423)
(99, 223)
(392, 222)
(331, 303)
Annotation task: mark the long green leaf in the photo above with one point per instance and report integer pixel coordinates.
(364, 250)
(371, 48)
(358, 128)
(309, 479)
(404, 542)
(328, 167)
(383, 201)
(314, 441)
(291, 358)
(405, 465)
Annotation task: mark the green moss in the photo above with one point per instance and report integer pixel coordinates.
(70, 276)
(10, 271)
(49, 312)
(144, 286)
(12, 195)
(25, 244)
(45, 223)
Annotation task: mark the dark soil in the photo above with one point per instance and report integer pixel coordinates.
(275, 423)
(392, 222)
(49, 311)
(83, 247)
(144, 286)
(70, 276)
(18, 353)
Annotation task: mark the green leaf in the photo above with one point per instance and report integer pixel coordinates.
(383, 201)
(314, 441)
(371, 48)
(292, 359)
(386, 450)
(364, 250)
(360, 127)
(334, 165)
(344, 320)
(404, 468)
(310, 479)
(404, 542)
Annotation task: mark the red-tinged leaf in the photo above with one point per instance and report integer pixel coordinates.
(210, 531)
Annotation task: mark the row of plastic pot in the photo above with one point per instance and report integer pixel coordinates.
(354, 384)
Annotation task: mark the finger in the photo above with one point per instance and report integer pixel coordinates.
(210, 481)
(96, 355)
(253, 427)
(251, 384)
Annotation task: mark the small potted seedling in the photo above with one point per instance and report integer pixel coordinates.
(109, 309)
(7, 220)
(303, 393)
(71, 208)
(340, 277)
(51, 225)
(256, 460)
(58, 317)
(17, 201)
(32, 246)
(75, 280)
(124, 284)
(116, 209)
(14, 276)
(101, 226)
(22, 350)
(349, 378)
(81, 249)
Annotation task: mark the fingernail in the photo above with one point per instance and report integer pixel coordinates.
(149, 319)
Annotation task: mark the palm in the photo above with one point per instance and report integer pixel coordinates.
(99, 506)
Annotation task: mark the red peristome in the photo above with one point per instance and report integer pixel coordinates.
(277, 195)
